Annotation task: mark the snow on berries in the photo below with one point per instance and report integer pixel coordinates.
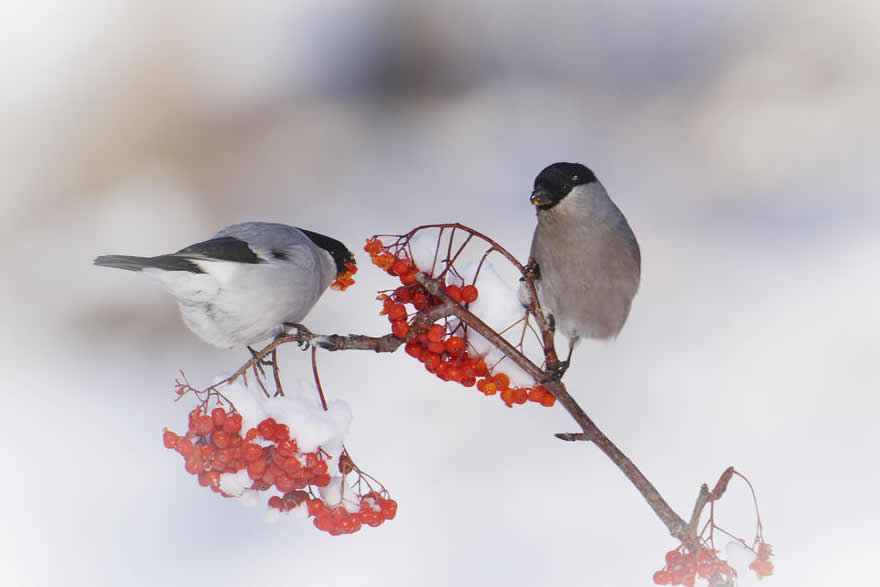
(289, 446)
(449, 349)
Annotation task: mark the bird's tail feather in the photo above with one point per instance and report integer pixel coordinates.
(131, 263)
(127, 262)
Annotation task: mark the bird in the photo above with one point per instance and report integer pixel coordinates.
(248, 282)
(584, 257)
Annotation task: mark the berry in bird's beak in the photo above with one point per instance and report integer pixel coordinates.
(540, 197)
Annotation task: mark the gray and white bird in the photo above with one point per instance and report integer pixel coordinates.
(244, 284)
(588, 260)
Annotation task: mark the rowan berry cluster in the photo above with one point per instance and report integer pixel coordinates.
(373, 510)
(443, 348)
(213, 445)
(682, 568)
(345, 280)
(762, 565)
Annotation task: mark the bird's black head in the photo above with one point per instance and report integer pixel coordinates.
(556, 181)
(341, 255)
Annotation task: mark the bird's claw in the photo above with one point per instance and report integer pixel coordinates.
(258, 361)
(532, 269)
(555, 371)
(303, 335)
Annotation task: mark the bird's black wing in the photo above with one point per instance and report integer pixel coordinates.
(224, 248)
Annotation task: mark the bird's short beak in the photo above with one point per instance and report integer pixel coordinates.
(540, 197)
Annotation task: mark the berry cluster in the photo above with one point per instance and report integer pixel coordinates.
(345, 280)
(373, 510)
(762, 565)
(443, 350)
(213, 445)
(682, 568)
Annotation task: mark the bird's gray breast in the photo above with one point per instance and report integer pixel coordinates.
(589, 270)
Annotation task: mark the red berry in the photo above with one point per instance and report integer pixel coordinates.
(469, 293)
(436, 333)
(414, 349)
(252, 452)
(401, 266)
(432, 361)
(203, 425)
(454, 292)
(232, 425)
(396, 312)
(169, 438)
(389, 509)
(218, 415)
(436, 347)
(454, 345)
(287, 448)
(673, 557)
(409, 277)
(256, 469)
(184, 447)
(220, 439)
(662, 577)
(399, 328)
(502, 381)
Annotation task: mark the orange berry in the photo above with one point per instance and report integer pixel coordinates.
(454, 345)
(399, 328)
(507, 397)
(383, 261)
(169, 438)
(432, 361)
(402, 266)
(218, 415)
(469, 293)
(502, 381)
(232, 425)
(409, 277)
(662, 577)
(436, 333)
(454, 292)
(413, 349)
(373, 246)
(436, 347)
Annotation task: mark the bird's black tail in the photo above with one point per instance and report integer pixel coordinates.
(164, 262)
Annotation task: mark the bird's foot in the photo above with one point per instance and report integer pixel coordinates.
(260, 362)
(555, 371)
(532, 270)
(303, 334)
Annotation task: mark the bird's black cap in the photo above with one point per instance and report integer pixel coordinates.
(557, 180)
(341, 255)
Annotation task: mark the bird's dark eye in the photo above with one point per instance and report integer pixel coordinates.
(277, 254)
(574, 178)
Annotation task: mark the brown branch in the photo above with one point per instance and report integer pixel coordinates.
(674, 523)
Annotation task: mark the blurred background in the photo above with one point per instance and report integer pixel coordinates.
(740, 139)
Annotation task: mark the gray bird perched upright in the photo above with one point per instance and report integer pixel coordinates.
(244, 284)
(585, 256)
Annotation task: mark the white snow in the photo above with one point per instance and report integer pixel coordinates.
(423, 248)
(498, 306)
(300, 409)
(739, 558)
